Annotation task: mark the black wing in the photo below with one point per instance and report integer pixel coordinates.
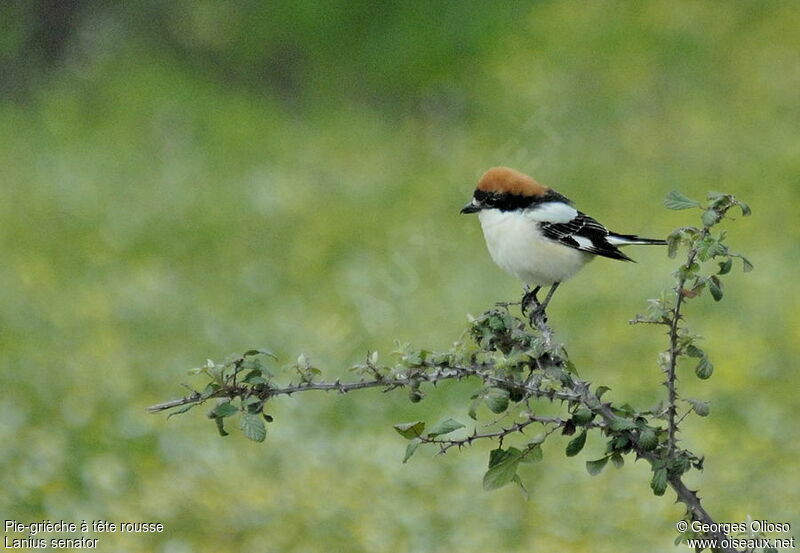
(594, 235)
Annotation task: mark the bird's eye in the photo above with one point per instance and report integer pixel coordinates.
(481, 198)
(489, 199)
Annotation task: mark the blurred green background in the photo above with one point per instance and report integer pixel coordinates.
(182, 180)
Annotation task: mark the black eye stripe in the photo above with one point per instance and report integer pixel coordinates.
(505, 201)
(481, 197)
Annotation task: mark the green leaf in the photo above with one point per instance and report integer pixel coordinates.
(700, 407)
(251, 400)
(531, 454)
(673, 241)
(620, 442)
(690, 271)
(711, 247)
(595, 467)
(255, 407)
(710, 217)
(676, 200)
(473, 408)
(619, 424)
(411, 448)
(497, 323)
(746, 265)
(704, 369)
(414, 358)
(679, 464)
(518, 481)
(259, 351)
(497, 400)
(582, 416)
(715, 287)
(576, 444)
(617, 460)
(254, 378)
(210, 389)
(182, 410)
(659, 482)
(725, 266)
(225, 409)
(571, 368)
(503, 466)
(694, 351)
(745, 208)
(498, 455)
(626, 409)
(647, 439)
(444, 427)
(253, 427)
(569, 428)
(220, 426)
(601, 390)
(410, 430)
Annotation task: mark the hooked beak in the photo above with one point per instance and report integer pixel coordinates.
(471, 207)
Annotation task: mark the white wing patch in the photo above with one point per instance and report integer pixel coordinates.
(583, 242)
(552, 212)
(627, 240)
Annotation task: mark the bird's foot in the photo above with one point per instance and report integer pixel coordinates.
(537, 315)
(529, 300)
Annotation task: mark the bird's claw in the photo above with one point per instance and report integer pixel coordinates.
(537, 313)
(532, 309)
(530, 299)
(537, 308)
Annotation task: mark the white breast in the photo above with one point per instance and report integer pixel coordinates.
(517, 245)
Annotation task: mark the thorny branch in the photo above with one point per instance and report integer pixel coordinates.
(517, 428)
(576, 392)
(439, 373)
(674, 348)
(515, 362)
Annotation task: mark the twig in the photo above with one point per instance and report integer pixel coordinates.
(674, 350)
(171, 404)
(440, 372)
(692, 501)
(445, 443)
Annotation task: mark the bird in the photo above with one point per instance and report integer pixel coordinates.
(537, 235)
